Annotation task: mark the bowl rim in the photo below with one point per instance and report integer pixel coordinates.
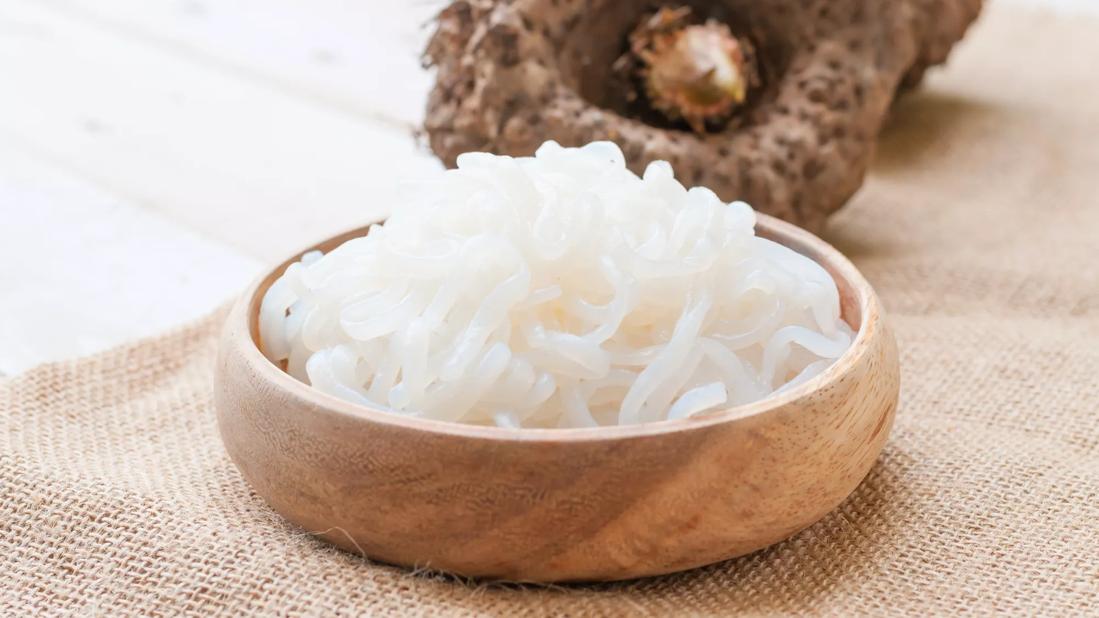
(868, 305)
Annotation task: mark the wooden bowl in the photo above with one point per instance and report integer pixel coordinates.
(545, 505)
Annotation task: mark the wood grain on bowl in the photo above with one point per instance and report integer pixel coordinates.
(602, 503)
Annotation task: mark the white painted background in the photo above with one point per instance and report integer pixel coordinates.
(156, 154)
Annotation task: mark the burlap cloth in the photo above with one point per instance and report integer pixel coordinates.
(980, 229)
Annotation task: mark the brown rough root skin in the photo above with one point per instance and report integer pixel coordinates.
(514, 73)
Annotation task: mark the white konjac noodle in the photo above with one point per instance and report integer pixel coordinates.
(559, 290)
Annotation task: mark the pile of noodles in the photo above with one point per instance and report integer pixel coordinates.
(559, 290)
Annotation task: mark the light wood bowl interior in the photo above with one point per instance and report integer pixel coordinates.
(545, 505)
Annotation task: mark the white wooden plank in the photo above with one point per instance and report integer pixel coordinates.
(361, 56)
(1061, 6)
(233, 159)
(82, 270)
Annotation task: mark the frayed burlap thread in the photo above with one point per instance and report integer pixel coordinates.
(979, 227)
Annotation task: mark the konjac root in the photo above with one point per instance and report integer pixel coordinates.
(776, 103)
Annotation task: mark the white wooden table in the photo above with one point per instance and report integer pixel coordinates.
(155, 154)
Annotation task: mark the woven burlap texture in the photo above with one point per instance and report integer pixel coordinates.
(980, 229)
